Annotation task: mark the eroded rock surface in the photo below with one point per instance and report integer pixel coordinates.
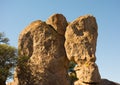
(80, 44)
(42, 55)
(47, 63)
(58, 22)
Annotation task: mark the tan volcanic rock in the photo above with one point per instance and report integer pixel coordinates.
(58, 22)
(88, 73)
(42, 55)
(80, 44)
(47, 63)
(81, 37)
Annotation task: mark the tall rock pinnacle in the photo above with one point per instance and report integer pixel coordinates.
(44, 45)
(80, 44)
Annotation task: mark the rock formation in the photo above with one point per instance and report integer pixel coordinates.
(45, 49)
(44, 45)
(58, 22)
(80, 44)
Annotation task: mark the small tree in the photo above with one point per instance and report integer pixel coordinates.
(7, 58)
(3, 39)
(72, 73)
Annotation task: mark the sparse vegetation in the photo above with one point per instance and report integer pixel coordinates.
(71, 72)
(8, 55)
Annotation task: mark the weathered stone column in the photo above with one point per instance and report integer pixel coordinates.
(43, 45)
(81, 37)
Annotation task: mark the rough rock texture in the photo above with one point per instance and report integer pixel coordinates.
(58, 22)
(80, 44)
(81, 37)
(44, 45)
(42, 55)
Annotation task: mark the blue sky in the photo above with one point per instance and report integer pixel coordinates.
(16, 15)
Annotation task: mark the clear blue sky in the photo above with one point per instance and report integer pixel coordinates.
(15, 15)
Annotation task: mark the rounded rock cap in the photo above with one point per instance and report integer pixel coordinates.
(58, 22)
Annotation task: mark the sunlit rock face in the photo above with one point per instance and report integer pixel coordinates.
(44, 45)
(46, 48)
(58, 22)
(81, 37)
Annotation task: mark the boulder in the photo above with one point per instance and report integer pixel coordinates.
(88, 73)
(46, 48)
(58, 22)
(81, 37)
(41, 46)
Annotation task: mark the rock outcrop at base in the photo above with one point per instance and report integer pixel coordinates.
(46, 48)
